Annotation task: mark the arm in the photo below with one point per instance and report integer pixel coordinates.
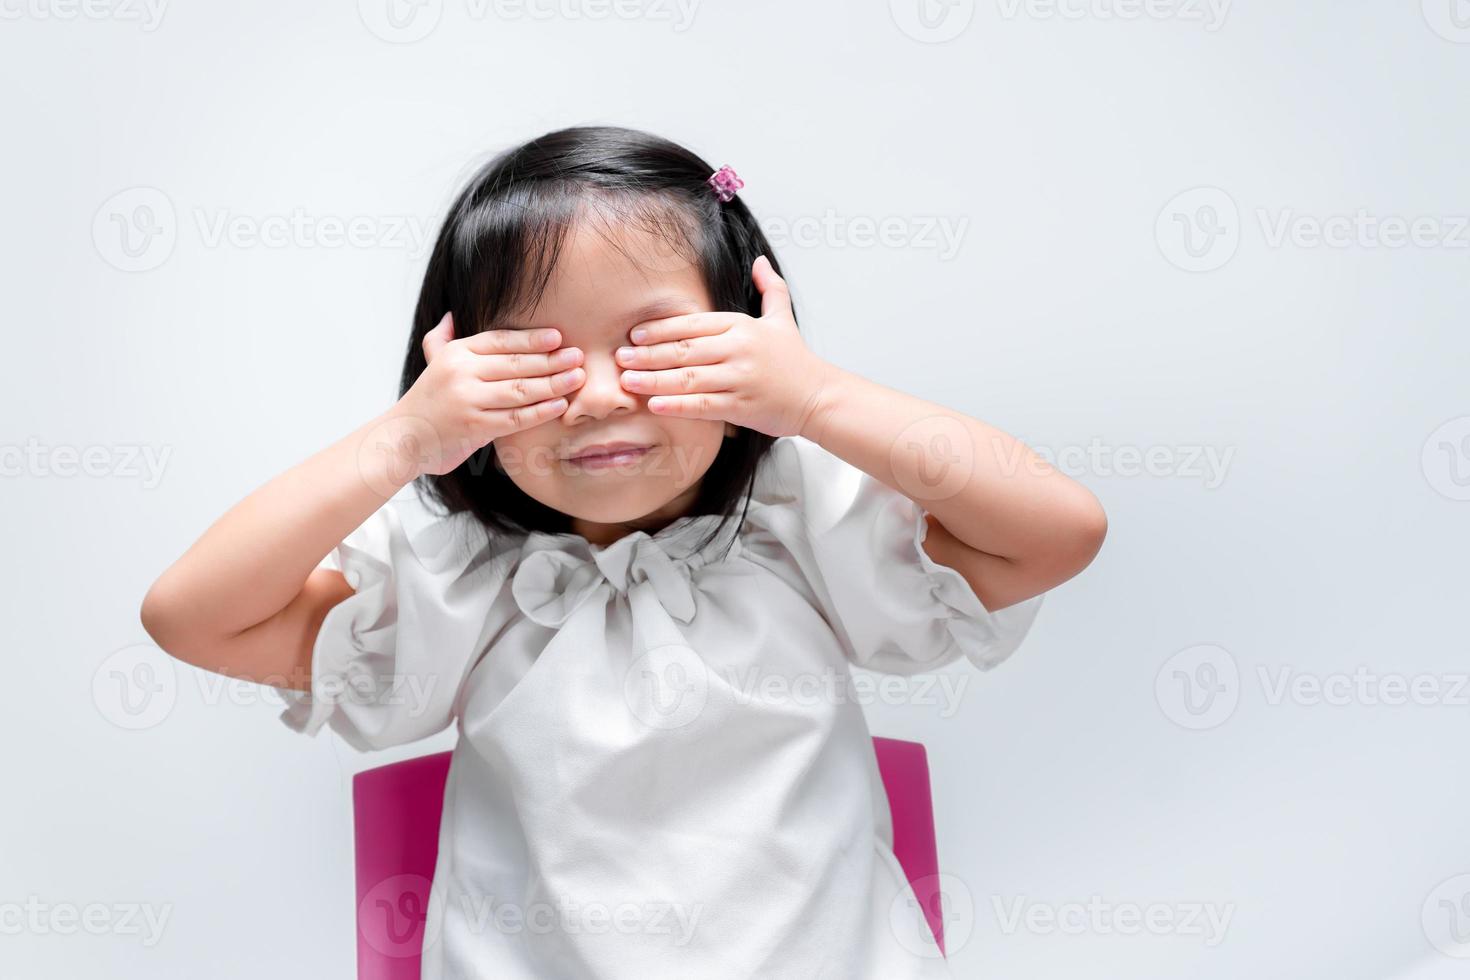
(248, 600)
(1012, 525)
(1009, 523)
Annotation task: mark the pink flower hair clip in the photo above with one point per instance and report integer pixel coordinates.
(725, 183)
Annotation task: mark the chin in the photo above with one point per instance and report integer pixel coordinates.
(614, 500)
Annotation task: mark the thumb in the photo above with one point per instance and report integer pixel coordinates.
(435, 339)
(775, 298)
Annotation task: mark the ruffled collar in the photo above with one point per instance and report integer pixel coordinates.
(556, 574)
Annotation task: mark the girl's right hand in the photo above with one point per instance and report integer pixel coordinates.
(477, 389)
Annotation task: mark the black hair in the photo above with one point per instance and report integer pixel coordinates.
(497, 250)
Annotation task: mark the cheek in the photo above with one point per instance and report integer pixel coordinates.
(528, 457)
(696, 443)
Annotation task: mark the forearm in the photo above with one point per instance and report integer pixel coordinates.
(985, 487)
(251, 562)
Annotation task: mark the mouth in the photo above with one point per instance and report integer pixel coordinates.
(607, 455)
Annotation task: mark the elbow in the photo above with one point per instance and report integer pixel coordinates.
(1075, 537)
(1088, 527)
(160, 619)
(154, 614)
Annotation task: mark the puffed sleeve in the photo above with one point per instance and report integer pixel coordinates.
(857, 545)
(390, 660)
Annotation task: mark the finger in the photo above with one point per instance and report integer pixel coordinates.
(687, 325)
(526, 416)
(513, 341)
(435, 339)
(501, 367)
(679, 381)
(705, 405)
(775, 297)
(526, 391)
(676, 353)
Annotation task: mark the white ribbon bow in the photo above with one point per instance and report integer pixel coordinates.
(558, 573)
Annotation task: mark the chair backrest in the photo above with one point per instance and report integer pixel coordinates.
(396, 811)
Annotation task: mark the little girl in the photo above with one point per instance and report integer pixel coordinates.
(666, 529)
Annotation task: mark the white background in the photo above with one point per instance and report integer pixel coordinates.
(1086, 309)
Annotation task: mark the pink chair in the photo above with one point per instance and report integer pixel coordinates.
(396, 810)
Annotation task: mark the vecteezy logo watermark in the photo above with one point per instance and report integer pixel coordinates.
(38, 918)
(1199, 687)
(137, 229)
(942, 898)
(932, 21)
(1450, 19)
(1446, 459)
(136, 687)
(147, 13)
(407, 21)
(1209, 13)
(1446, 917)
(400, 21)
(941, 234)
(395, 451)
(402, 915)
(933, 458)
(667, 687)
(1199, 229)
(1205, 921)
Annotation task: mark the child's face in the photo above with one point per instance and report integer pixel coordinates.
(595, 297)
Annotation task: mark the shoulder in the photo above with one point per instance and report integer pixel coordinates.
(814, 505)
(799, 474)
(410, 537)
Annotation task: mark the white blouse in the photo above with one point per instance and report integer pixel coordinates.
(659, 771)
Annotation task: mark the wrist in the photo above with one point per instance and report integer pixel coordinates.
(394, 449)
(831, 392)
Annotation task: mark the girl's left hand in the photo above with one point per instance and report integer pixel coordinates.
(754, 372)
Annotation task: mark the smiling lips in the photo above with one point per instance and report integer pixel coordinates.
(607, 455)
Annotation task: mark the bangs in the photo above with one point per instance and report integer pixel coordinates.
(508, 246)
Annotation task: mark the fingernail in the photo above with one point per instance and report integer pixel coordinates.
(640, 335)
(625, 353)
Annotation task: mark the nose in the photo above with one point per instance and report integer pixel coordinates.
(602, 393)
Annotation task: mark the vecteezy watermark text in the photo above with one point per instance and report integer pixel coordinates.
(409, 21)
(124, 461)
(1200, 687)
(1206, 464)
(148, 14)
(938, 233)
(1206, 921)
(137, 229)
(1211, 14)
(41, 918)
(1201, 229)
